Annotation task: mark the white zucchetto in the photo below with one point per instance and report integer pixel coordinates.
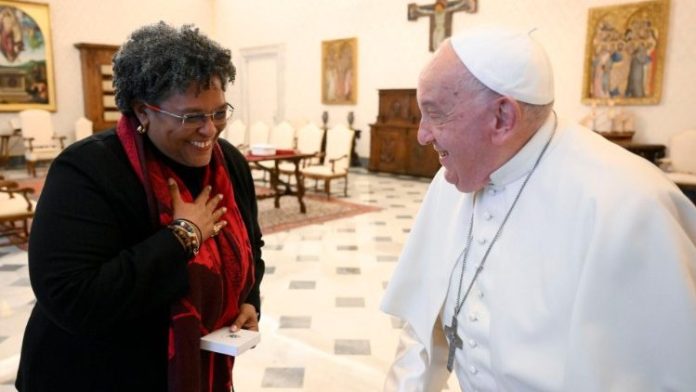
(508, 62)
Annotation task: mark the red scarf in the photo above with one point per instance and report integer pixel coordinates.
(221, 275)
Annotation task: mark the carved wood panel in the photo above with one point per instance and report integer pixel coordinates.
(394, 146)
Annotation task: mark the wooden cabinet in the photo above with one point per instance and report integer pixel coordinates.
(98, 92)
(394, 145)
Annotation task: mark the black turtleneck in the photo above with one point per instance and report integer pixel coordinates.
(191, 176)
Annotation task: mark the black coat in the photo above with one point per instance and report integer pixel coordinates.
(104, 277)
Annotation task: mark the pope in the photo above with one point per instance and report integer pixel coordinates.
(544, 257)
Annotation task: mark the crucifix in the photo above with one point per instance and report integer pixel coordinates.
(455, 342)
(440, 15)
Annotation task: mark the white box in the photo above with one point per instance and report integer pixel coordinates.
(263, 149)
(224, 341)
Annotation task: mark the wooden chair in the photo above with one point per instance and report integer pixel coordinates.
(40, 141)
(339, 143)
(235, 133)
(680, 166)
(16, 209)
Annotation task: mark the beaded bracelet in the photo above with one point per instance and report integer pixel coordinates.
(187, 233)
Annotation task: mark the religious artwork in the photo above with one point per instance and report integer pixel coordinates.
(26, 55)
(624, 53)
(339, 68)
(440, 15)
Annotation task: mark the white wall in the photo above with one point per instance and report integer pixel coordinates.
(103, 22)
(392, 51)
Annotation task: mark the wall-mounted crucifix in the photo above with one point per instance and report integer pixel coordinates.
(440, 15)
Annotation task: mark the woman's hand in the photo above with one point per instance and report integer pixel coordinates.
(203, 212)
(247, 319)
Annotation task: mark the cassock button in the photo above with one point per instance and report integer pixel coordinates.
(473, 370)
(472, 343)
(487, 215)
(473, 317)
(480, 294)
(482, 241)
(492, 191)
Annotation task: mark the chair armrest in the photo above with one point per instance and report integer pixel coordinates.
(664, 163)
(7, 184)
(61, 139)
(28, 143)
(307, 161)
(11, 188)
(334, 160)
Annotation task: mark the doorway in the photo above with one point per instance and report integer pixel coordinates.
(262, 85)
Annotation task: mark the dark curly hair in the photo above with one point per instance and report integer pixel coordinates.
(158, 60)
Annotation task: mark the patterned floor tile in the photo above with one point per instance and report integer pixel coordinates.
(350, 302)
(10, 267)
(303, 285)
(300, 322)
(348, 271)
(352, 347)
(283, 378)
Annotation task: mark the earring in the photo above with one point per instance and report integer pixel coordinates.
(141, 129)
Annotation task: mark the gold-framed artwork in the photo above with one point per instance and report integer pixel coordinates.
(26, 57)
(339, 71)
(625, 53)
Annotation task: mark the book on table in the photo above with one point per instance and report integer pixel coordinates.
(226, 342)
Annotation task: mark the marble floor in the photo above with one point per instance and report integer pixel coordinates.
(321, 327)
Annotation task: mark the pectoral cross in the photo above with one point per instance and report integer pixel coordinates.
(455, 342)
(440, 15)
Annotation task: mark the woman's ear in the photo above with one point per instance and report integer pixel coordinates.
(507, 116)
(141, 113)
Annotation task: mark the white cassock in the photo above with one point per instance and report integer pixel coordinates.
(591, 285)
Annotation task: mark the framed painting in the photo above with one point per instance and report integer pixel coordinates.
(339, 71)
(26, 57)
(625, 53)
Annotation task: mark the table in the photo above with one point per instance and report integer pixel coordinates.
(282, 155)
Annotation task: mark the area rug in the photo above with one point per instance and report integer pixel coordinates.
(272, 220)
(319, 209)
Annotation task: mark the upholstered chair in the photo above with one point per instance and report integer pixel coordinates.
(309, 138)
(83, 128)
(258, 133)
(16, 209)
(40, 141)
(235, 133)
(339, 143)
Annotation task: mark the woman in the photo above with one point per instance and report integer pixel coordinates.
(146, 237)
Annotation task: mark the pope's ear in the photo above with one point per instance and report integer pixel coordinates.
(507, 113)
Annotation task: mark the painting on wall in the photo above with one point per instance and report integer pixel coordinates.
(625, 53)
(26, 57)
(339, 71)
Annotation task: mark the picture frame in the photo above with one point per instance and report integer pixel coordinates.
(26, 57)
(339, 71)
(625, 53)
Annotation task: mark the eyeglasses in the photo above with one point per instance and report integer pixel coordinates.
(197, 120)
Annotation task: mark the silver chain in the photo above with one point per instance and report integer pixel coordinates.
(460, 300)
